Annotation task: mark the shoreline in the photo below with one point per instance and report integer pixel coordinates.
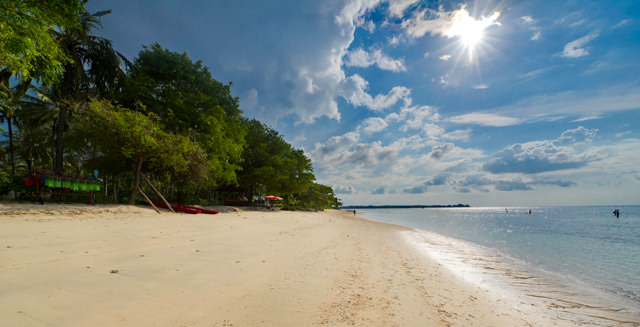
(77, 265)
(562, 295)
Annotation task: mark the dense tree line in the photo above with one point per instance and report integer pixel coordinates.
(71, 103)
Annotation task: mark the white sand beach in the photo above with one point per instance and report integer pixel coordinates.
(112, 265)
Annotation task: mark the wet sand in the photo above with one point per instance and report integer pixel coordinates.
(109, 265)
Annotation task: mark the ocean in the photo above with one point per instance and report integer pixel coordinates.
(581, 264)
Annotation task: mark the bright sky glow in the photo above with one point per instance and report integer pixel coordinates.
(546, 111)
(469, 30)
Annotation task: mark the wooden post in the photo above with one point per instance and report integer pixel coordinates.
(157, 192)
(151, 203)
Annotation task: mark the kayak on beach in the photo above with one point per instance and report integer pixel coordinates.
(185, 208)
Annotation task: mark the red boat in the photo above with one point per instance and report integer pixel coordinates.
(177, 207)
(185, 208)
(207, 211)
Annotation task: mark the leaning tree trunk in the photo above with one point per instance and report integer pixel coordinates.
(137, 182)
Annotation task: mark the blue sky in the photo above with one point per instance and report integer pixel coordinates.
(426, 102)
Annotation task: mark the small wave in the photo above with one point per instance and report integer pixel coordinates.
(563, 298)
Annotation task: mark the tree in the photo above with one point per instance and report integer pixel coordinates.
(190, 102)
(261, 159)
(318, 196)
(8, 112)
(94, 69)
(140, 141)
(36, 120)
(271, 165)
(28, 49)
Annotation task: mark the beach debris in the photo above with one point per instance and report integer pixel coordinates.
(115, 271)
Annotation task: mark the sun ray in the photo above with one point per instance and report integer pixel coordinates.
(469, 30)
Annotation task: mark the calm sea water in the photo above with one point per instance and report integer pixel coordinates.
(580, 263)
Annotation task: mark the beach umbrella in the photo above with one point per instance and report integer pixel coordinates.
(273, 198)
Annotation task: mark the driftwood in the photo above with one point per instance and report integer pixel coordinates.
(157, 192)
(151, 203)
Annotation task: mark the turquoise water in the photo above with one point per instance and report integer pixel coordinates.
(582, 263)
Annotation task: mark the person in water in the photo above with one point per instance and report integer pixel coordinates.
(616, 213)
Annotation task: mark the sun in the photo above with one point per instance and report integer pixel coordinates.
(469, 30)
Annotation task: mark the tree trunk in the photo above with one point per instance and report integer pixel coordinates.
(59, 147)
(13, 158)
(137, 182)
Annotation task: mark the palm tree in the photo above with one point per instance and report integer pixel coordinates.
(36, 120)
(11, 98)
(94, 70)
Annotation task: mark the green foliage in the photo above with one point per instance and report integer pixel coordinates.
(28, 49)
(316, 197)
(271, 165)
(94, 70)
(183, 127)
(189, 102)
(122, 135)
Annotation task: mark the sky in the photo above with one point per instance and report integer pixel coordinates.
(487, 103)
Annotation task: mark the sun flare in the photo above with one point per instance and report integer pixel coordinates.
(469, 30)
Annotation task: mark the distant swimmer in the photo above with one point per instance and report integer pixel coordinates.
(529, 211)
(616, 213)
(506, 210)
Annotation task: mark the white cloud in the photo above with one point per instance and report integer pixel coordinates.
(438, 151)
(580, 103)
(338, 160)
(251, 101)
(445, 57)
(398, 7)
(344, 189)
(485, 119)
(370, 26)
(426, 54)
(575, 49)
(353, 89)
(481, 86)
(622, 23)
(588, 117)
(536, 35)
(544, 156)
(536, 73)
(394, 40)
(444, 23)
(373, 124)
(623, 134)
(530, 21)
(458, 135)
(527, 19)
(334, 145)
(362, 58)
(422, 118)
(577, 23)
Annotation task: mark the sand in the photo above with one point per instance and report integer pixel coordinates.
(109, 265)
